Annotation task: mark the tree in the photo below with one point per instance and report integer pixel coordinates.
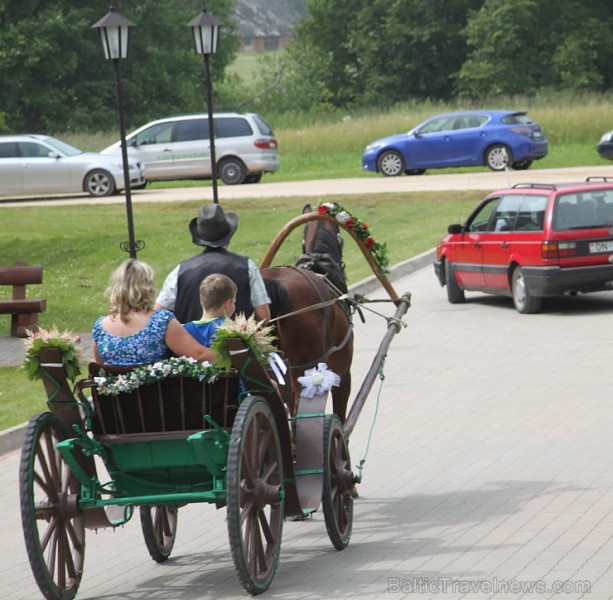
(55, 78)
(528, 45)
(362, 52)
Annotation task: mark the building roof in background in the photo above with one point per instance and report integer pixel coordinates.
(264, 18)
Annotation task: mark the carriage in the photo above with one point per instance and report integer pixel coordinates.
(244, 439)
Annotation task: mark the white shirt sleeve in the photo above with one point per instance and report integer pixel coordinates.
(168, 294)
(259, 295)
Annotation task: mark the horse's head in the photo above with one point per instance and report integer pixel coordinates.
(322, 250)
(322, 237)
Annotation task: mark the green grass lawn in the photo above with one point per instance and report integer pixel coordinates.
(79, 248)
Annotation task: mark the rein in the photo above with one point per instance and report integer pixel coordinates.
(310, 308)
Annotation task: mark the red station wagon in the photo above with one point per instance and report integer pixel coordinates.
(532, 241)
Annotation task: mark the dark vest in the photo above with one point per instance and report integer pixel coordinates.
(193, 270)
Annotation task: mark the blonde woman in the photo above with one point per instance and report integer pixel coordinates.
(133, 333)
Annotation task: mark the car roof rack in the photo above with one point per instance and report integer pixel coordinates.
(542, 186)
(599, 178)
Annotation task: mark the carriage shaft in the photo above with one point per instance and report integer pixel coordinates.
(402, 305)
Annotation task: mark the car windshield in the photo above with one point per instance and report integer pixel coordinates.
(63, 147)
(584, 210)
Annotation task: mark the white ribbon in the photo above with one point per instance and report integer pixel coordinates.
(279, 368)
(318, 381)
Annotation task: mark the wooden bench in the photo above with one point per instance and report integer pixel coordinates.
(23, 311)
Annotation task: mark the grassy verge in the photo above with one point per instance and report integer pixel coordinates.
(78, 247)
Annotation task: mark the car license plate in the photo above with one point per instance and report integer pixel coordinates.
(598, 247)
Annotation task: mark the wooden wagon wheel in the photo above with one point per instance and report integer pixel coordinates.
(53, 528)
(255, 495)
(337, 498)
(159, 524)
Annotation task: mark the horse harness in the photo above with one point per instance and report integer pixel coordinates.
(322, 304)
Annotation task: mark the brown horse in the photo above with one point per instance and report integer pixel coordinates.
(315, 335)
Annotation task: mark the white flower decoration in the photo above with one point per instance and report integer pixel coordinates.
(343, 216)
(318, 380)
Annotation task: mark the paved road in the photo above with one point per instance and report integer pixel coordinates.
(477, 180)
(490, 469)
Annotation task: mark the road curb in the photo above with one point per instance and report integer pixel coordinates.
(12, 439)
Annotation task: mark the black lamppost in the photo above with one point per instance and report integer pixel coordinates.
(205, 28)
(115, 33)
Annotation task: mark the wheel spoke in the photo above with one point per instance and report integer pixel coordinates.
(264, 442)
(44, 486)
(245, 512)
(77, 541)
(69, 564)
(265, 525)
(52, 551)
(49, 533)
(272, 469)
(53, 456)
(259, 549)
(46, 480)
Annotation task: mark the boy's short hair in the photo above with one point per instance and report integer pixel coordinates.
(215, 290)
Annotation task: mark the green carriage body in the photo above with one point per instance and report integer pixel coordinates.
(175, 442)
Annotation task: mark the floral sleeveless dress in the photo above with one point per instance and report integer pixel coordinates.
(146, 346)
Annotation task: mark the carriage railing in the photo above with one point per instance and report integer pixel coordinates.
(173, 404)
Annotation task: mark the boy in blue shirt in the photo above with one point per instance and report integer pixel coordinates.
(217, 298)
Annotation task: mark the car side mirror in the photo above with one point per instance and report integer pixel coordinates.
(54, 154)
(455, 229)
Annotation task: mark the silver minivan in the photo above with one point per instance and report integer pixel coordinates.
(178, 148)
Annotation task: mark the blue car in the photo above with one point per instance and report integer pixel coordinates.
(605, 145)
(497, 139)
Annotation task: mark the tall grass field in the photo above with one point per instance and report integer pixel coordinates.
(330, 146)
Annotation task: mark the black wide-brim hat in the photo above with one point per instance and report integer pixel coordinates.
(213, 227)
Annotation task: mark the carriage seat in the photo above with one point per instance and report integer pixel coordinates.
(176, 404)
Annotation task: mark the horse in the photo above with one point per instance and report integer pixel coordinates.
(314, 334)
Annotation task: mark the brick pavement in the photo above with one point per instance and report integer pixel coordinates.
(490, 470)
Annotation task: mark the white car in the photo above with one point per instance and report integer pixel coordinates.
(179, 148)
(41, 164)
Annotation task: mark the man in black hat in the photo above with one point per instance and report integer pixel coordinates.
(213, 229)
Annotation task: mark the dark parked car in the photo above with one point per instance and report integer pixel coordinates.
(605, 145)
(532, 241)
(495, 138)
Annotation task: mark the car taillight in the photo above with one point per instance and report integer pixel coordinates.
(558, 249)
(266, 144)
(522, 130)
